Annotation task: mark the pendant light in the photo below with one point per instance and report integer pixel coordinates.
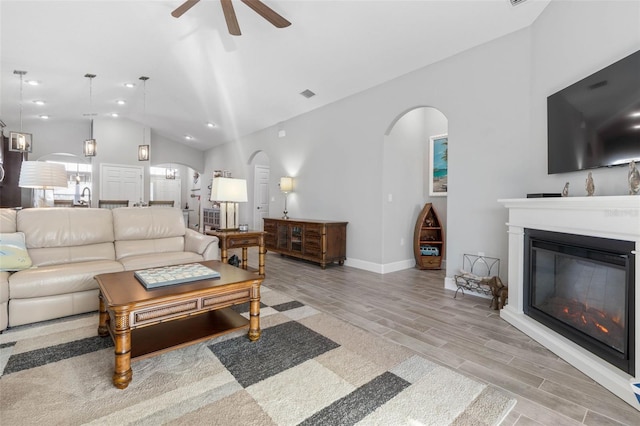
(144, 151)
(20, 141)
(90, 145)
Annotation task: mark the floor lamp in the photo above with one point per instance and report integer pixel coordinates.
(40, 175)
(229, 192)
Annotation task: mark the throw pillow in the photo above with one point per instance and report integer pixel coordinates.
(13, 252)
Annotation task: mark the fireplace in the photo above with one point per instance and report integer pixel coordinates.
(571, 237)
(582, 288)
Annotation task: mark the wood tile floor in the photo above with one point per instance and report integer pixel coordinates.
(412, 308)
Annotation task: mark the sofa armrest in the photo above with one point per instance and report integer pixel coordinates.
(205, 245)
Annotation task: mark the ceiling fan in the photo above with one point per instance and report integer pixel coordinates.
(230, 15)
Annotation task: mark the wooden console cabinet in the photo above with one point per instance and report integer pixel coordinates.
(318, 241)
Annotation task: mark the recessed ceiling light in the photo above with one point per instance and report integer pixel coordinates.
(637, 126)
(129, 85)
(32, 82)
(635, 114)
(38, 102)
(189, 138)
(211, 125)
(121, 102)
(115, 115)
(44, 116)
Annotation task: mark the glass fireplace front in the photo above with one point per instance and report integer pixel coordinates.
(583, 288)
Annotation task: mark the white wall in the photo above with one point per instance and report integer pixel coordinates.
(165, 151)
(405, 171)
(494, 97)
(605, 32)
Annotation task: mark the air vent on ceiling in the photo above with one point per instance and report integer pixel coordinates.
(307, 94)
(517, 2)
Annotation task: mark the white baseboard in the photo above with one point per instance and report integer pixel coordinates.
(384, 268)
(364, 265)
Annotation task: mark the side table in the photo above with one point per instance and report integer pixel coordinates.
(244, 240)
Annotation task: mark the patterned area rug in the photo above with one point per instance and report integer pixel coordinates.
(307, 368)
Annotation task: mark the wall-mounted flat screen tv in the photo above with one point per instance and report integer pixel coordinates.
(596, 121)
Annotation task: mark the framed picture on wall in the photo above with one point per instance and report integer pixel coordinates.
(438, 165)
(20, 142)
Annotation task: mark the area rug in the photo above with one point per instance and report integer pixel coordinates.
(307, 368)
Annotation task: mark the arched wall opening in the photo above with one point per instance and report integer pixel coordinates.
(405, 182)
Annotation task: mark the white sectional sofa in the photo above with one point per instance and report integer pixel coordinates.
(68, 247)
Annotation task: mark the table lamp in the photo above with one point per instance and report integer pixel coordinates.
(40, 175)
(229, 192)
(286, 186)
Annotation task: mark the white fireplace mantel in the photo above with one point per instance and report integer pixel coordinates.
(615, 217)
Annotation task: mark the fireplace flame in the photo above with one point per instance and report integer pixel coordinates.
(609, 328)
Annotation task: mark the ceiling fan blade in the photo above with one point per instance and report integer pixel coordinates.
(230, 17)
(267, 13)
(183, 8)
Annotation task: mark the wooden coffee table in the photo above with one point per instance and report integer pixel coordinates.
(144, 323)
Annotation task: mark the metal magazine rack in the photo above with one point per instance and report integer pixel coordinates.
(474, 270)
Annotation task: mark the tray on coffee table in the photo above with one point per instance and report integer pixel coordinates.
(175, 274)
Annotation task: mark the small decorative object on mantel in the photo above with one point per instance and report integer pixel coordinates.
(634, 179)
(590, 187)
(565, 190)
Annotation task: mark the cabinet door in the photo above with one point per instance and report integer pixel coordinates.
(313, 240)
(270, 230)
(296, 238)
(283, 236)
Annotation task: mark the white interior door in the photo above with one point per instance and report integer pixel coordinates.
(261, 196)
(166, 190)
(121, 182)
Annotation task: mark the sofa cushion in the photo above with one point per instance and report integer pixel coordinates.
(140, 223)
(65, 227)
(161, 245)
(13, 253)
(7, 220)
(155, 260)
(4, 287)
(60, 255)
(59, 279)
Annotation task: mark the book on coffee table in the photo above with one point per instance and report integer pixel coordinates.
(175, 274)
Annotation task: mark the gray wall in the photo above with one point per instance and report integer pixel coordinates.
(494, 98)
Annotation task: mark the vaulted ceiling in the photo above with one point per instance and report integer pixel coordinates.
(199, 73)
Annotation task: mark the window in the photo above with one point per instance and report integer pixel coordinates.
(79, 176)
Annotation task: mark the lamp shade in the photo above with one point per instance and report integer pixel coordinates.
(286, 184)
(228, 189)
(42, 175)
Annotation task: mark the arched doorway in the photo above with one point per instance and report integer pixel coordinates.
(406, 172)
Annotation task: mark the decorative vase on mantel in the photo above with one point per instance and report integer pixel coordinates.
(590, 186)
